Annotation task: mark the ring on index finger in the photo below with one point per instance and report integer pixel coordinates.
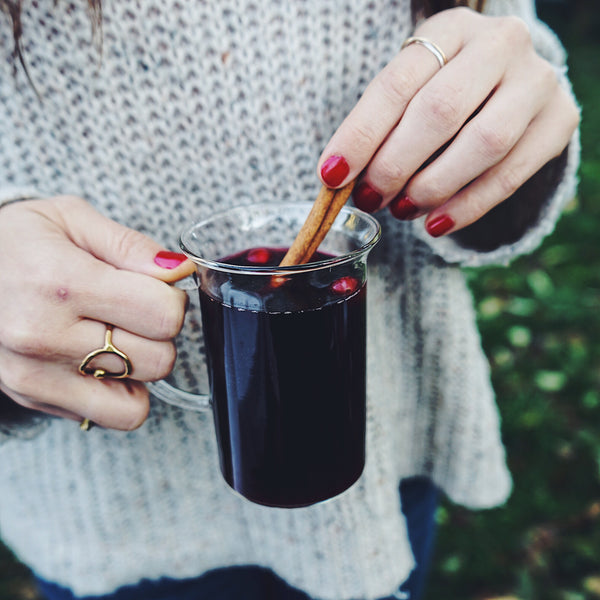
(431, 46)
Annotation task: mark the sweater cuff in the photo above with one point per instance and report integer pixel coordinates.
(10, 194)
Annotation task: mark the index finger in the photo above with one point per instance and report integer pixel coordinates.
(380, 108)
(138, 303)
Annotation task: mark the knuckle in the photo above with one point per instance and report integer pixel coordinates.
(22, 337)
(126, 240)
(474, 206)
(398, 85)
(570, 113)
(456, 14)
(18, 376)
(463, 12)
(164, 361)
(365, 135)
(137, 417)
(441, 108)
(514, 31)
(495, 140)
(508, 181)
(72, 201)
(547, 76)
(171, 320)
(467, 13)
(433, 190)
(388, 172)
(573, 117)
(67, 204)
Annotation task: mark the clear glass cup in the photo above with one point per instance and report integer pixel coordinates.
(285, 351)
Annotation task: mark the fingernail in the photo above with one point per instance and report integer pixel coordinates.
(169, 260)
(403, 208)
(366, 198)
(334, 170)
(440, 225)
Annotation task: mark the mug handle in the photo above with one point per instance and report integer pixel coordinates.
(171, 395)
(168, 393)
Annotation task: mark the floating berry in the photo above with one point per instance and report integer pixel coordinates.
(345, 285)
(258, 256)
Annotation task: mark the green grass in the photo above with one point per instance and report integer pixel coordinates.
(541, 330)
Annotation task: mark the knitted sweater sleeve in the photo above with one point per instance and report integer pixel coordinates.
(12, 193)
(519, 224)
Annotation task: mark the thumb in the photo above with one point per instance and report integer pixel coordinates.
(120, 246)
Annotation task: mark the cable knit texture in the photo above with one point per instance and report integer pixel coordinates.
(196, 106)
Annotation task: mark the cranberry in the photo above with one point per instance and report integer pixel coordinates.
(345, 285)
(258, 256)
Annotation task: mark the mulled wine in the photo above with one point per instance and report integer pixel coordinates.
(286, 362)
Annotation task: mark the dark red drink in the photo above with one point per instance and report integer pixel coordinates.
(287, 372)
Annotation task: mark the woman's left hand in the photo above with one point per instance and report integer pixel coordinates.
(455, 141)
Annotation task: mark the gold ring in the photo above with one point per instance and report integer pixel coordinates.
(86, 425)
(433, 48)
(108, 348)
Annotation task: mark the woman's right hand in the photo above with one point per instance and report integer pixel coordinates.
(66, 272)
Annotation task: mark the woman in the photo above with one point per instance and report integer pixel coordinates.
(461, 130)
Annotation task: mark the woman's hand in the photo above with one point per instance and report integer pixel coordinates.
(65, 272)
(455, 141)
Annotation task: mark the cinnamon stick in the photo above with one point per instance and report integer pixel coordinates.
(325, 209)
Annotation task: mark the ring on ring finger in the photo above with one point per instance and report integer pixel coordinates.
(429, 45)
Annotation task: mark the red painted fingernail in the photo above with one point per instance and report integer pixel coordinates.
(440, 225)
(403, 208)
(169, 260)
(366, 198)
(334, 170)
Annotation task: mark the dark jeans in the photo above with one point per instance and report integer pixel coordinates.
(419, 501)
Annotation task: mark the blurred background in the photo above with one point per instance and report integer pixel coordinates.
(540, 325)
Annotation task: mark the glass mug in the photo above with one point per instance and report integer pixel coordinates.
(285, 351)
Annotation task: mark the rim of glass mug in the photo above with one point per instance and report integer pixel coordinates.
(349, 212)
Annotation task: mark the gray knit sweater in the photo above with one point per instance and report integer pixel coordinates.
(197, 106)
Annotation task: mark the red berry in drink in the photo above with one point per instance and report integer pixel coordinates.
(345, 285)
(258, 256)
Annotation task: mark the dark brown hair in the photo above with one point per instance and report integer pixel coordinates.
(426, 8)
(13, 9)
